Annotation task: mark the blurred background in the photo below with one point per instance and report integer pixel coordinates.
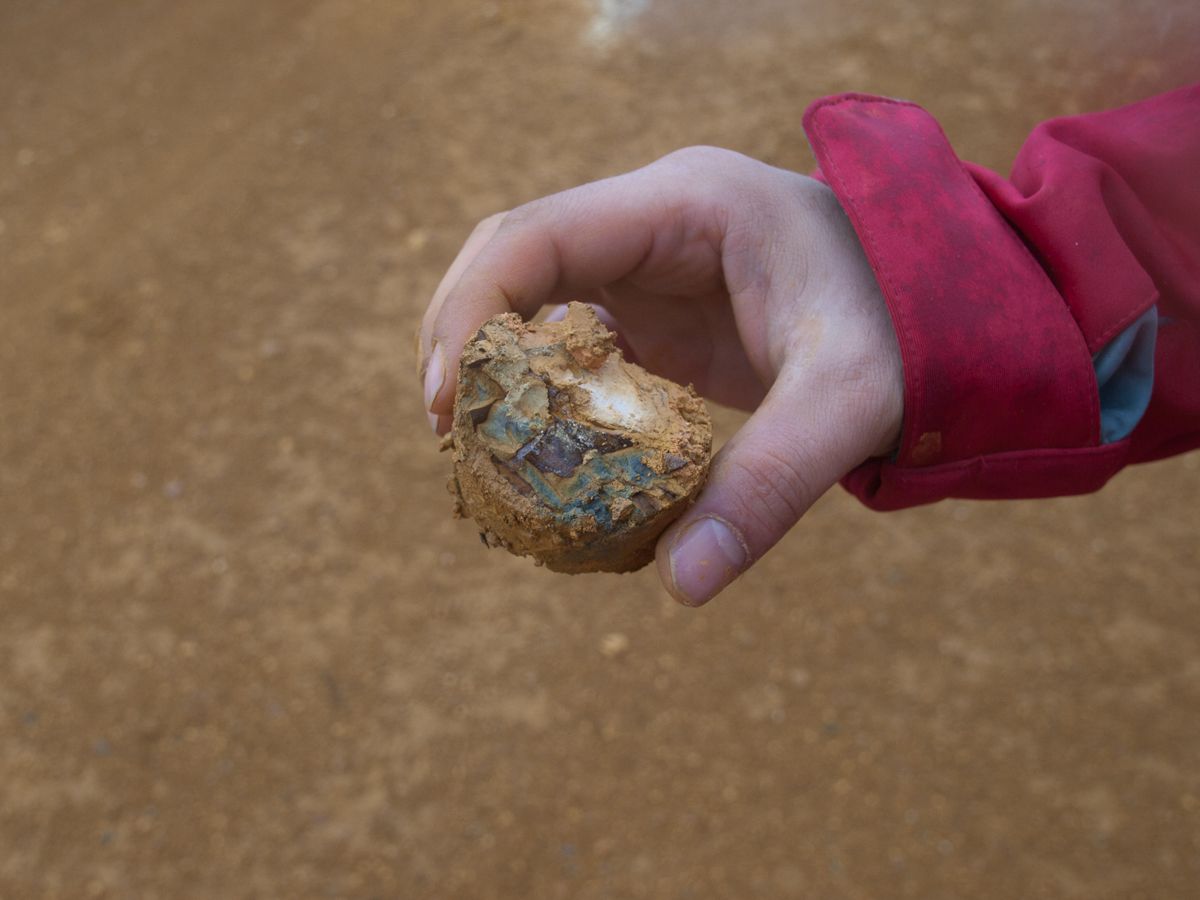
(246, 652)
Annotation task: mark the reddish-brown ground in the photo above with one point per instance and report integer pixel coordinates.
(246, 652)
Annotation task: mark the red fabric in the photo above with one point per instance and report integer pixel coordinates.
(1001, 290)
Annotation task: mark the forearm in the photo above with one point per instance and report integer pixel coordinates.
(1007, 295)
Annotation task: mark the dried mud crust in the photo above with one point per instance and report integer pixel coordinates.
(565, 452)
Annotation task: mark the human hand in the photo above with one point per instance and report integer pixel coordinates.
(743, 279)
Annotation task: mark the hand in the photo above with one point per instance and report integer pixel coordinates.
(745, 280)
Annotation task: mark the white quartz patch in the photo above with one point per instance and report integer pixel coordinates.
(614, 399)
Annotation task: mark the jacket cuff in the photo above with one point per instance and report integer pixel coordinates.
(1000, 393)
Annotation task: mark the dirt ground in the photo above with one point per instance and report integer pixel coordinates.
(245, 651)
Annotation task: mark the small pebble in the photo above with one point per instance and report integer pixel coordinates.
(614, 644)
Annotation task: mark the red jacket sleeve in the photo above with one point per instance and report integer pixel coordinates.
(1002, 290)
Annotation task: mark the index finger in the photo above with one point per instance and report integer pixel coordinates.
(478, 239)
(564, 244)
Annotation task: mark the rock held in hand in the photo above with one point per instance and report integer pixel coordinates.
(565, 452)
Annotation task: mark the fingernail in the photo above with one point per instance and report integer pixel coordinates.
(435, 375)
(417, 351)
(433, 421)
(705, 557)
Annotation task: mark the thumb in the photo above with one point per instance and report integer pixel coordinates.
(793, 449)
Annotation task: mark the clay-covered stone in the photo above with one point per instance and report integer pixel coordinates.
(565, 452)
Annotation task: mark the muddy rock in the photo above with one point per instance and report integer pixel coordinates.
(565, 452)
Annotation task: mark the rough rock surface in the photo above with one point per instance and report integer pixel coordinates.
(565, 452)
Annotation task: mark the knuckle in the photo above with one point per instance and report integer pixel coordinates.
(725, 180)
(775, 490)
(551, 207)
(522, 215)
(702, 156)
(542, 214)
